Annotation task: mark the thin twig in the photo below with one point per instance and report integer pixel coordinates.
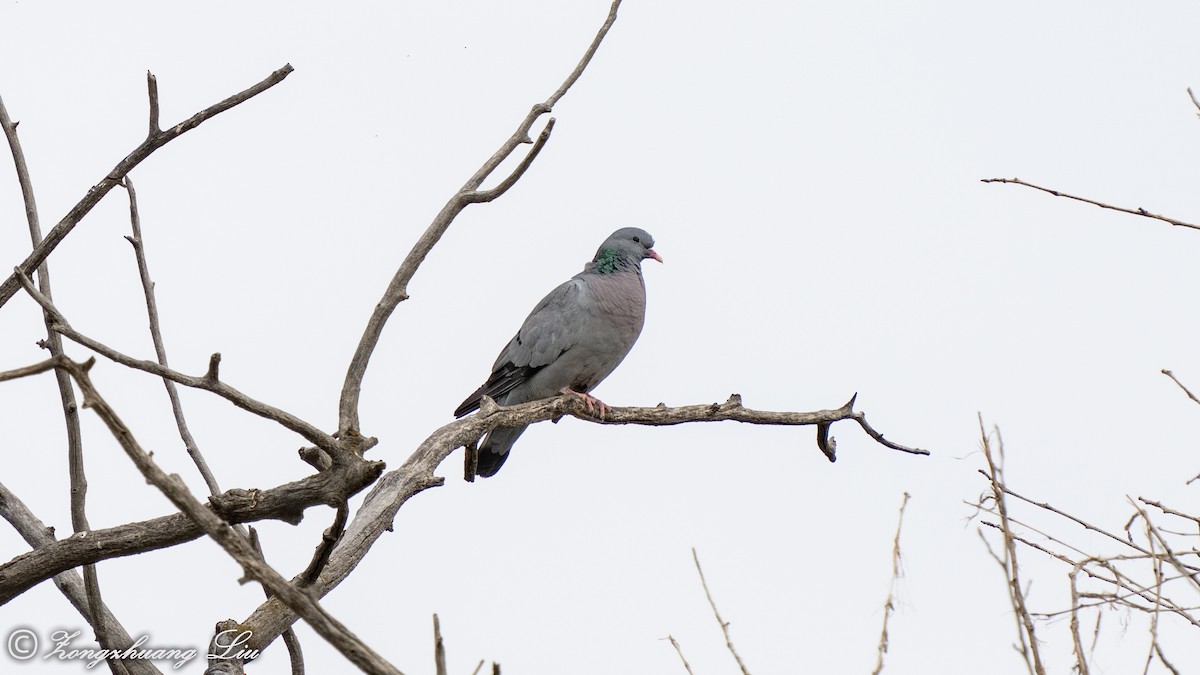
(890, 606)
(1169, 510)
(53, 343)
(160, 350)
(1137, 212)
(724, 624)
(290, 640)
(153, 142)
(329, 540)
(152, 94)
(679, 650)
(1176, 380)
(1025, 629)
(1194, 101)
(211, 384)
(1081, 665)
(439, 647)
(469, 193)
(478, 667)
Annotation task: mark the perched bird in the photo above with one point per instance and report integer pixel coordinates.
(573, 339)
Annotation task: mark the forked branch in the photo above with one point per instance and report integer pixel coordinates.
(153, 142)
(396, 487)
(469, 193)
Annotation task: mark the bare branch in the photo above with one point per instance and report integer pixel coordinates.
(439, 648)
(679, 650)
(396, 487)
(153, 142)
(26, 371)
(1136, 212)
(1168, 510)
(1025, 629)
(724, 624)
(69, 582)
(75, 467)
(211, 384)
(237, 546)
(890, 605)
(1196, 103)
(286, 502)
(329, 540)
(290, 640)
(397, 290)
(482, 196)
(1176, 381)
(160, 350)
(152, 92)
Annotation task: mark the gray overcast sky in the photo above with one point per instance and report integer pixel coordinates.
(811, 173)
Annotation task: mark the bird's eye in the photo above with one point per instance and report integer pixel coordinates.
(637, 239)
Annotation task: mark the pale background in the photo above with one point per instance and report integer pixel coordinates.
(811, 173)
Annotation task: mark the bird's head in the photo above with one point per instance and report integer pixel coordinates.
(627, 246)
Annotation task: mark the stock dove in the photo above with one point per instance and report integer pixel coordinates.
(573, 339)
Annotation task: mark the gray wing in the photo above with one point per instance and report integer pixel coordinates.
(551, 328)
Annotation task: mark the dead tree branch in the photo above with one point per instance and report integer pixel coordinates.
(1025, 628)
(160, 350)
(237, 546)
(1136, 212)
(439, 648)
(53, 343)
(679, 651)
(208, 382)
(69, 582)
(153, 142)
(469, 193)
(1176, 381)
(890, 605)
(723, 623)
(396, 487)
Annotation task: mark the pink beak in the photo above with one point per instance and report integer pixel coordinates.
(654, 254)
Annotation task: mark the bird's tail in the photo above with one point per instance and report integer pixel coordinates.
(494, 450)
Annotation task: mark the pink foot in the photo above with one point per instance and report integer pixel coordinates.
(593, 404)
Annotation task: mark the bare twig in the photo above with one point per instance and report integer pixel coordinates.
(1169, 510)
(724, 624)
(290, 640)
(890, 606)
(1196, 103)
(153, 142)
(439, 648)
(152, 93)
(1081, 665)
(207, 383)
(1176, 381)
(1137, 212)
(478, 667)
(27, 371)
(470, 193)
(75, 467)
(679, 650)
(329, 540)
(160, 350)
(1025, 629)
(237, 546)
